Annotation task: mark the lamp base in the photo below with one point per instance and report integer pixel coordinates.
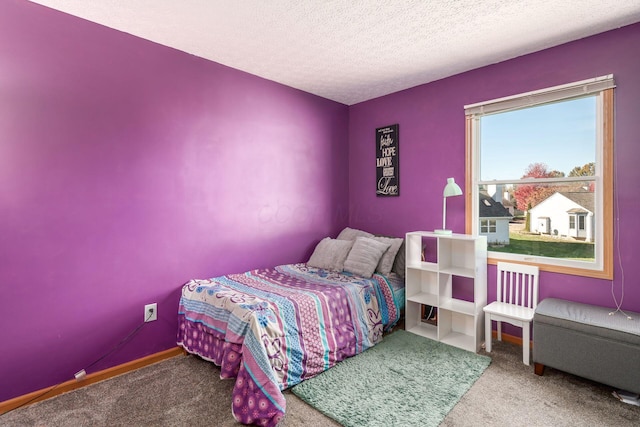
(448, 232)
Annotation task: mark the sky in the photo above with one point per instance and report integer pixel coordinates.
(561, 135)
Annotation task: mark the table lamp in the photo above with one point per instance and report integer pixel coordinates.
(451, 189)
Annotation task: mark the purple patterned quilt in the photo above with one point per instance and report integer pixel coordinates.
(273, 328)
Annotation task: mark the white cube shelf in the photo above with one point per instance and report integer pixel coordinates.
(457, 257)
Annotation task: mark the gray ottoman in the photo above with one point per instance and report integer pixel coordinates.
(587, 341)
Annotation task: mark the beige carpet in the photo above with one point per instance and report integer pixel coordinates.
(186, 391)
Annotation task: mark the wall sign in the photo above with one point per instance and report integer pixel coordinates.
(387, 168)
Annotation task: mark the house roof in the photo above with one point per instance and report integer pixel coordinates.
(506, 203)
(582, 198)
(489, 208)
(578, 211)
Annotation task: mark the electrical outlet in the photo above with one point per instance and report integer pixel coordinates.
(151, 312)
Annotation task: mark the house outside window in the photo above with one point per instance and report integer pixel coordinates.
(494, 217)
(551, 152)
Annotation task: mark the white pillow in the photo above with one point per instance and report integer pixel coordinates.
(364, 256)
(352, 233)
(330, 254)
(386, 261)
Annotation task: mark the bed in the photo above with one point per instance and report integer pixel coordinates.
(272, 328)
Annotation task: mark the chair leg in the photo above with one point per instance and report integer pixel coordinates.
(487, 332)
(499, 330)
(525, 343)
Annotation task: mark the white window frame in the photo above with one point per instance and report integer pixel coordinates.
(489, 224)
(602, 88)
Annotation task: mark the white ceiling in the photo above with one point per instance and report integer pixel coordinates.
(354, 50)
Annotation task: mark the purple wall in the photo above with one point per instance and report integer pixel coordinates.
(431, 119)
(127, 168)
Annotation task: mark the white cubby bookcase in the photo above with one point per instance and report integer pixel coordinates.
(442, 271)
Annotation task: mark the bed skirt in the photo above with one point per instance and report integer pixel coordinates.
(250, 405)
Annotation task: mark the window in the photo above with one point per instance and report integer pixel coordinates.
(547, 156)
(487, 226)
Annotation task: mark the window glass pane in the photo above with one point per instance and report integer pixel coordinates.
(560, 136)
(543, 175)
(546, 225)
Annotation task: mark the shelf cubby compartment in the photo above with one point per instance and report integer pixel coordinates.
(456, 328)
(456, 254)
(424, 287)
(425, 329)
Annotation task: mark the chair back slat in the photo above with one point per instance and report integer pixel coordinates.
(517, 284)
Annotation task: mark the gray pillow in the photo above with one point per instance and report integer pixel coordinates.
(364, 256)
(352, 234)
(330, 254)
(399, 263)
(386, 261)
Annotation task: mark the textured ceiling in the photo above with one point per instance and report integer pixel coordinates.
(354, 50)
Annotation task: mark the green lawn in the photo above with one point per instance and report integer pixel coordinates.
(532, 244)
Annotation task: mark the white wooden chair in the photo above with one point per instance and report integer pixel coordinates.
(516, 301)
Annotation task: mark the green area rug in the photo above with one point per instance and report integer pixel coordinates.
(406, 380)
